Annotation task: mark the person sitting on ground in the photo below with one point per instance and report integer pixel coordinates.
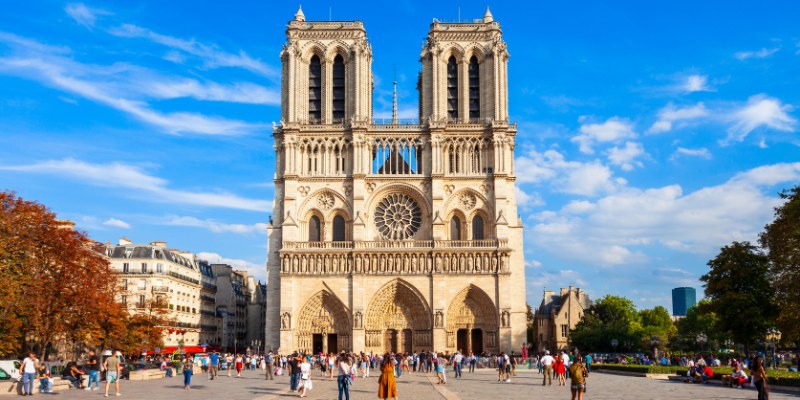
(74, 374)
(707, 373)
(738, 377)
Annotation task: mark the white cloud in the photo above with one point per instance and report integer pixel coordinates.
(613, 130)
(760, 111)
(526, 200)
(243, 92)
(139, 183)
(82, 14)
(762, 53)
(573, 177)
(700, 152)
(215, 226)
(670, 115)
(259, 272)
(616, 229)
(626, 157)
(117, 223)
(211, 55)
(697, 83)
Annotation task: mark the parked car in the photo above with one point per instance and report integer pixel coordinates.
(11, 368)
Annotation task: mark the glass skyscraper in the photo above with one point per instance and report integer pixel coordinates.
(682, 299)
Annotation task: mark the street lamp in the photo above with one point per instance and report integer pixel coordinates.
(773, 337)
(655, 341)
(701, 340)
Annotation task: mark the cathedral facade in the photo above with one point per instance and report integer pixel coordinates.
(395, 237)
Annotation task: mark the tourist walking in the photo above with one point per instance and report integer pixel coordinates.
(294, 372)
(188, 370)
(760, 378)
(229, 361)
(112, 367)
(269, 360)
(578, 374)
(212, 370)
(94, 371)
(387, 384)
(457, 359)
(559, 368)
(305, 377)
(29, 366)
(239, 364)
(344, 379)
(547, 365)
(439, 363)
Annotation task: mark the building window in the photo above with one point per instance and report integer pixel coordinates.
(159, 268)
(126, 268)
(315, 90)
(338, 229)
(477, 228)
(452, 89)
(563, 331)
(144, 268)
(474, 89)
(124, 284)
(142, 284)
(455, 228)
(314, 229)
(338, 89)
(124, 300)
(141, 301)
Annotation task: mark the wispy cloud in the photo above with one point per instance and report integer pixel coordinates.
(760, 111)
(258, 271)
(212, 55)
(697, 83)
(84, 15)
(215, 226)
(117, 223)
(762, 53)
(142, 185)
(701, 152)
(118, 85)
(670, 115)
(626, 157)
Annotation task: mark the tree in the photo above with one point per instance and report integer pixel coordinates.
(58, 283)
(657, 322)
(781, 239)
(611, 317)
(740, 293)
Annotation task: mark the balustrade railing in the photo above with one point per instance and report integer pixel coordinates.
(398, 244)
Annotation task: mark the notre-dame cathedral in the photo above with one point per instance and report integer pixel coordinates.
(395, 237)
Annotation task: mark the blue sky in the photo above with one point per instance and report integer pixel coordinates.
(650, 135)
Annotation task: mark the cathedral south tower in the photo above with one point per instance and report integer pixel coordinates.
(395, 237)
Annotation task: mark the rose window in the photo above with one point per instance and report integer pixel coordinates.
(398, 217)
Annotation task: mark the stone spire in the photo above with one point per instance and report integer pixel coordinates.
(394, 102)
(299, 16)
(487, 17)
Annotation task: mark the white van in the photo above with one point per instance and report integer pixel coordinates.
(11, 368)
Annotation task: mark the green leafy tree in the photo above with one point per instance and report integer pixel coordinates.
(740, 292)
(657, 322)
(781, 239)
(611, 317)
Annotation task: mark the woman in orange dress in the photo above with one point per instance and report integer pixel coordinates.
(387, 385)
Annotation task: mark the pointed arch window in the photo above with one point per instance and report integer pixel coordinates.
(477, 228)
(338, 229)
(314, 90)
(314, 229)
(452, 89)
(455, 228)
(474, 89)
(338, 89)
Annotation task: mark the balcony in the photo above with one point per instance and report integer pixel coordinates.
(183, 277)
(207, 299)
(399, 244)
(160, 289)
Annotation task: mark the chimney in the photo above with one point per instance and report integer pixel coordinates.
(159, 243)
(123, 241)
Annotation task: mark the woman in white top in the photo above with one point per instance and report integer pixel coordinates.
(305, 376)
(345, 370)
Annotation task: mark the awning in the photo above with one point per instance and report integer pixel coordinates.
(186, 349)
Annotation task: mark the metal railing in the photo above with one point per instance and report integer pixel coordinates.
(399, 244)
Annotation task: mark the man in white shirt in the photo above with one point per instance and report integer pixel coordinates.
(547, 363)
(565, 359)
(457, 363)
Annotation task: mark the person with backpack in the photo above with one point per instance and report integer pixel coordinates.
(269, 360)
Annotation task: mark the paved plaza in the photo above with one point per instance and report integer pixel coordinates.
(480, 385)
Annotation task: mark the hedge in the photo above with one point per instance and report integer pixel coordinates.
(778, 378)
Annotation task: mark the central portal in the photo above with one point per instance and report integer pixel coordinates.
(398, 319)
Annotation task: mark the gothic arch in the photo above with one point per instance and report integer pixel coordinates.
(400, 307)
(392, 190)
(338, 48)
(472, 310)
(323, 313)
(311, 49)
(474, 49)
(311, 203)
(454, 50)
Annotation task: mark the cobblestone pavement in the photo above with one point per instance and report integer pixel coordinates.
(480, 385)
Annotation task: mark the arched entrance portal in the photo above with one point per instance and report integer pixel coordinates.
(398, 319)
(472, 322)
(323, 325)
